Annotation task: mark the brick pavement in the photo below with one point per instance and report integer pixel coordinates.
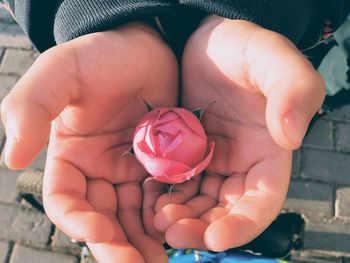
(319, 190)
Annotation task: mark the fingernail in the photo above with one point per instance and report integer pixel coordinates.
(90, 241)
(83, 240)
(9, 144)
(77, 241)
(295, 126)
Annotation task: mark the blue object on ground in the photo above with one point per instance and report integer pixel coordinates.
(230, 256)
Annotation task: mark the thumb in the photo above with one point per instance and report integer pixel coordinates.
(38, 98)
(290, 107)
(292, 87)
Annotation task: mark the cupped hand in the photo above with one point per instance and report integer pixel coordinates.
(92, 89)
(265, 94)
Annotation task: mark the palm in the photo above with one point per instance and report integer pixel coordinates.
(96, 157)
(92, 189)
(244, 187)
(247, 163)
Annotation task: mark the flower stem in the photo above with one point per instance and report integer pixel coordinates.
(170, 188)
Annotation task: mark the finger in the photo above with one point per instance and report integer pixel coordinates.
(180, 193)
(187, 233)
(115, 252)
(293, 88)
(40, 95)
(231, 192)
(129, 196)
(265, 190)
(228, 192)
(194, 207)
(152, 190)
(64, 201)
(214, 214)
(171, 213)
(101, 195)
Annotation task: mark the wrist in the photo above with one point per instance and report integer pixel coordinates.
(141, 28)
(236, 28)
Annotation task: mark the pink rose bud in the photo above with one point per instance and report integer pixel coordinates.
(171, 145)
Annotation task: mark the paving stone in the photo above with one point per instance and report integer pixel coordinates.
(316, 260)
(61, 242)
(296, 164)
(342, 137)
(6, 84)
(25, 203)
(11, 35)
(320, 135)
(307, 256)
(40, 161)
(4, 249)
(325, 166)
(327, 235)
(27, 226)
(310, 197)
(2, 139)
(16, 61)
(5, 16)
(342, 205)
(8, 185)
(342, 114)
(89, 259)
(30, 182)
(22, 254)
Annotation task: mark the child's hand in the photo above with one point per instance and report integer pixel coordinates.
(265, 94)
(91, 89)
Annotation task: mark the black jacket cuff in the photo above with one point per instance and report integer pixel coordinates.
(290, 18)
(79, 17)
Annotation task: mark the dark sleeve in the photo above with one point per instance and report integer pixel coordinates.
(51, 22)
(48, 23)
(302, 21)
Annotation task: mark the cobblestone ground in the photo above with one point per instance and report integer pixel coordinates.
(320, 186)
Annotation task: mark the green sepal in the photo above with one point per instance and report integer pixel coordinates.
(129, 151)
(149, 107)
(199, 113)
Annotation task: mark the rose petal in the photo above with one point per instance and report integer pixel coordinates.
(159, 166)
(191, 121)
(166, 118)
(167, 115)
(167, 129)
(204, 164)
(151, 117)
(149, 140)
(182, 177)
(162, 111)
(168, 180)
(172, 146)
(145, 148)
